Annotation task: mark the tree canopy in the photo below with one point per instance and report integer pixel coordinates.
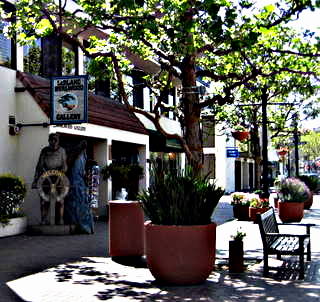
(228, 43)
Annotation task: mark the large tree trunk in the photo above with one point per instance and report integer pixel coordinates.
(191, 111)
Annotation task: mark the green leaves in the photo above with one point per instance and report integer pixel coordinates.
(180, 198)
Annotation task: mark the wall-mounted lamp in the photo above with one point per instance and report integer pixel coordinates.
(13, 128)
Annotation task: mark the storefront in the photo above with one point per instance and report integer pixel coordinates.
(110, 130)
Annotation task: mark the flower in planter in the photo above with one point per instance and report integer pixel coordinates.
(292, 190)
(257, 202)
(239, 235)
(239, 198)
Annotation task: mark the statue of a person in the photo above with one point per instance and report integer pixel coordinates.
(77, 204)
(52, 157)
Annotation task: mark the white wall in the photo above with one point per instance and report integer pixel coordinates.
(8, 143)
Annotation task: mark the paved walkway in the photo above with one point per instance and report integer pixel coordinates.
(77, 268)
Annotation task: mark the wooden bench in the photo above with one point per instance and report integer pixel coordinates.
(276, 243)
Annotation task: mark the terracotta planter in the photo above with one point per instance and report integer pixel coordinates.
(276, 202)
(126, 228)
(291, 211)
(181, 255)
(308, 203)
(241, 212)
(254, 211)
(236, 256)
(240, 135)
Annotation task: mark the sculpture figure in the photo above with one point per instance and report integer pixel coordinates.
(77, 204)
(52, 157)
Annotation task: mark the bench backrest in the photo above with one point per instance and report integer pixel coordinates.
(267, 224)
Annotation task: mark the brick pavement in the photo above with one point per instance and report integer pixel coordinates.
(76, 268)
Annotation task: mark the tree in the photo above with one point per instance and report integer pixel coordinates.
(281, 109)
(187, 39)
(312, 147)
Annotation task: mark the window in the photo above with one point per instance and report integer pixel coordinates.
(69, 59)
(208, 133)
(7, 46)
(32, 58)
(209, 165)
(138, 86)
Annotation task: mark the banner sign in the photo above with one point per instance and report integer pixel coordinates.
(232, 152)
(69, 100)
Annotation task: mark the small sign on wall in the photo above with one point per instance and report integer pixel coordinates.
(69, 100)
(232, 152)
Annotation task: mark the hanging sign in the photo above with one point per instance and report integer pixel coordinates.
(69, 100)
(232, 152)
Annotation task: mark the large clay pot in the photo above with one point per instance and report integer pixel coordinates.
(236, 256)
(126, 228)
(254, 211)
(241, 212)
(308, 203)
(181, 255)
(291, 211)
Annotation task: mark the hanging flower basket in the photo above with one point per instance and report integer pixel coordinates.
(282, 152)
(240, 135)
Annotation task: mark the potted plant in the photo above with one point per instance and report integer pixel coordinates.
(312, 183)
(12, 193)
(236, 252)
(180, 236)
(240, 203)
(257, 206)
(123, 176)
(240, 133)
(292, 194)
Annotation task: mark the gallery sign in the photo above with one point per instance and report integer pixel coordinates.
(69, 100)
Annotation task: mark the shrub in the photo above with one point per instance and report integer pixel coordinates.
(293, 190)
(311, 181)
(12, 193)
(180, 198)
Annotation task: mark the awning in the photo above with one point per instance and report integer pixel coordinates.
(159, 143)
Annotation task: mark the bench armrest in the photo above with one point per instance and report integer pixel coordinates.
(287, 235)
(298, 224)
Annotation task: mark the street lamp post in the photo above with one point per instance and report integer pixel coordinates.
(265, 181)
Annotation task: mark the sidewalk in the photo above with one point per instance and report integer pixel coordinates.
(76, 268)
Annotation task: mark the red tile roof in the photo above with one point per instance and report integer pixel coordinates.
(101, 110)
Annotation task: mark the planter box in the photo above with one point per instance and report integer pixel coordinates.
(241, 212)
(254, 211)
(15, 226)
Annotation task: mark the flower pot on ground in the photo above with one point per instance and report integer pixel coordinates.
(312, 183)
(180, 238)
(258, 206)
(180, 254)
(240, 204)
(292, 194)
(290, 211)
(12, 193)
(236, 254)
